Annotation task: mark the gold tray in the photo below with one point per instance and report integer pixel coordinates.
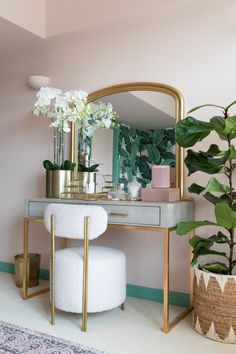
(84, 196)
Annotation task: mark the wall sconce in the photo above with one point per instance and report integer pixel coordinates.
(38, 81)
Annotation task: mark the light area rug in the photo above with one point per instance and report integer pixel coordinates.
(18, 340)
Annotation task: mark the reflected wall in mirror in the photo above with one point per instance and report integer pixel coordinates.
(145, 135)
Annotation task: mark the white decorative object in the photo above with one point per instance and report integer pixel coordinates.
(106, 279)
(134, 189)
(106, 266)
(38, 81)
(65, 107)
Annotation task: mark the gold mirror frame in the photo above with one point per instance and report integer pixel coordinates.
(141, 86)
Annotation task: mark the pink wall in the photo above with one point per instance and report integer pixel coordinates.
(25, 13)
(189, 48)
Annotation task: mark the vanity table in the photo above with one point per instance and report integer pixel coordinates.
(158, 217)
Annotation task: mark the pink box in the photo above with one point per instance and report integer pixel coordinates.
(160, 194)
(163, 176)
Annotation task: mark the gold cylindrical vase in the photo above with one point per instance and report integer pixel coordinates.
(85, 182)
(57, 182)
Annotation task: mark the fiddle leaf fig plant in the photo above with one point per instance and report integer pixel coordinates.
(220, 165)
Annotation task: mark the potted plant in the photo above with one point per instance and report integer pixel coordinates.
(214, 279)
(63, 108)
(58, 178)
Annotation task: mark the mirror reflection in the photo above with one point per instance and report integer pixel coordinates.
(148, 113)
(144, 137)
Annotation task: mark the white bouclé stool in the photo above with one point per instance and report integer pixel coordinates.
(83, 279)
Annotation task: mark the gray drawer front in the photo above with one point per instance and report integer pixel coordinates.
(117, 214)
(36, 209)
(133, 215)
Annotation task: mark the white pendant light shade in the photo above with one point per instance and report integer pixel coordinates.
(38, 81)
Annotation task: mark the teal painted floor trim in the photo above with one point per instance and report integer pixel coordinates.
(7, 267)
(153, 294)
(141, 292)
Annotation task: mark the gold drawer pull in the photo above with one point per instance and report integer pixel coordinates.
(119, 214)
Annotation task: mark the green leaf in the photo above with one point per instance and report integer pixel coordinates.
(158, 136)
(216, 267)
(153, 154)
(213, 150)
(225, 216)
(230, 127)
(204, 252)
(83, 168)
(219, 238)
(190, 130)
(196, 188)
(199, 161)
(142, 164)
(213, 199)
(218, 124)
(48, 165)
(232, 155)
(205, 105)
(184, 227)
(68, 165)
(215, 186)
(198, 242)
(234, 207)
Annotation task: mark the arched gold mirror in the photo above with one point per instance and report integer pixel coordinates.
(146, 111)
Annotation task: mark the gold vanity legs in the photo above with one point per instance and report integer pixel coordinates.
(167, 326)
(166, 279)
(85, 275)
(52, 268)
(25, 287)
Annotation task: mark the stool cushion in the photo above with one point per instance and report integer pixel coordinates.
(106, 279)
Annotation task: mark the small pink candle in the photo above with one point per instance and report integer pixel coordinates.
(160, 176)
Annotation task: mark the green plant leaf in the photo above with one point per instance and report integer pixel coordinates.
(215, 186)
(199, 161)
(225, 216)
(184, 227)
(204, 252)
(198, 242)
(216, 267)
(83, 168)
(48, 165)
(232, 155)
(190, 130)
(153, 154)
(230, 127)
(196, 188)
(218, 124)
(219, 238)
(158, 136)
(213, 199)
(205, 105)
(213, 150)
(143, 166)
(68, 165)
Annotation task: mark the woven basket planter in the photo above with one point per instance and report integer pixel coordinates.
(215, 305)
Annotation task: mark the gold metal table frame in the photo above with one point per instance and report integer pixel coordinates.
(166, 324)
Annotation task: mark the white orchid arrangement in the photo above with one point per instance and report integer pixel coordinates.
(72, 106)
